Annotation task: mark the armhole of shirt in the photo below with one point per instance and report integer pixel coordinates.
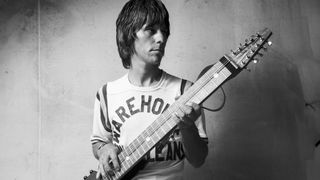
(182, 86)
(104, 105)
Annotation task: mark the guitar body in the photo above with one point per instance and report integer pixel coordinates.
(210, 79)
(92, 176)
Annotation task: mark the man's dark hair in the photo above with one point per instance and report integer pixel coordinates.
(132, 17)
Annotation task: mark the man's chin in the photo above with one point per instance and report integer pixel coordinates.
(157, 60)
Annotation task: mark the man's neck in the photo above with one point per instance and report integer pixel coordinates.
(143, 76)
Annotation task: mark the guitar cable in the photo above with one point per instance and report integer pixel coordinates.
(219, 107)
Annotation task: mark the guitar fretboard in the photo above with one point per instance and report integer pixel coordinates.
(202, 88)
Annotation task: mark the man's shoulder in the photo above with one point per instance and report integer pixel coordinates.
(113, 85)
(178, 79)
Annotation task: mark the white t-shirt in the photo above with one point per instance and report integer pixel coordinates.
(122, 111)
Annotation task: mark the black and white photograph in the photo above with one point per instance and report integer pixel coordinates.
(160, 89)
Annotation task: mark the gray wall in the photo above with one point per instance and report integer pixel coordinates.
(54, 55)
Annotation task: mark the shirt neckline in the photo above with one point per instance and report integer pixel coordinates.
(146, 88)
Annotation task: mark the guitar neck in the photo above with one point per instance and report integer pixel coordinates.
(197, 93)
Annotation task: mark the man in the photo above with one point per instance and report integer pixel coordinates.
(127, 106)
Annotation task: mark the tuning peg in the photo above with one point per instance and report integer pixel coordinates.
(249, 70)
(264, 48)
(269, 43)
(233, 52)
(91, 171)
(85, 177)
(255, 61)
(246, 42)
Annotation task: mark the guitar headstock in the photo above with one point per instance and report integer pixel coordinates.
(248, 51)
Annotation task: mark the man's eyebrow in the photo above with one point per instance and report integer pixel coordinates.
(150, 25)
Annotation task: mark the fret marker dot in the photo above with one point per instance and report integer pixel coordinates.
(127, 158)
(215, 75)
(148, 139)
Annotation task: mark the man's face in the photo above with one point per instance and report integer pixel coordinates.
(150, 44)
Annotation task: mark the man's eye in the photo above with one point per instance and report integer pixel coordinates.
(152, 31)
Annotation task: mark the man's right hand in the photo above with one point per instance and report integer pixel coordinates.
(108, 160)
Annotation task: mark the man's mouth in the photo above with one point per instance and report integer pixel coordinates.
(157, 50)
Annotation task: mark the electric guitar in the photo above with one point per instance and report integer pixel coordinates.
(211, 78)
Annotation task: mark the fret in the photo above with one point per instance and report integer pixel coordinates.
(196, 99)
(171, 122)
(149, 142)
(169, 110)
(145, 149)
(224, 72)
(134, 156)
(211, 85)
(156, 124)
(161, 120)
(156, 135)
(149, 131)
(144, 134)
(140, 139)
(154, 139)
(151, 128)
(138, 152)
(201, 95)
(130, 148)
(135, 143)
(160, 132)
(174, 123)
(118, 174)
(219, 80)
(165, 128)
(207, 88)
(124, 166)
(127, 160)
(137, 155)
(141, 151)
(121, 156)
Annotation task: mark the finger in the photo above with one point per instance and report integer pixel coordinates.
(101, 171)
(106, 168)
(196, 107)
(187, 110)
(98, 175)
(179, 114)
(115, 162)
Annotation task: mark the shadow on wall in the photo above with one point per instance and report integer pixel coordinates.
(18, 22)
(262, 126)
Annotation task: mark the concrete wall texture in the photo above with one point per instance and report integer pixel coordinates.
(55, 54)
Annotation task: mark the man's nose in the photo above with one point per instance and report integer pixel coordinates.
(159, 36)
